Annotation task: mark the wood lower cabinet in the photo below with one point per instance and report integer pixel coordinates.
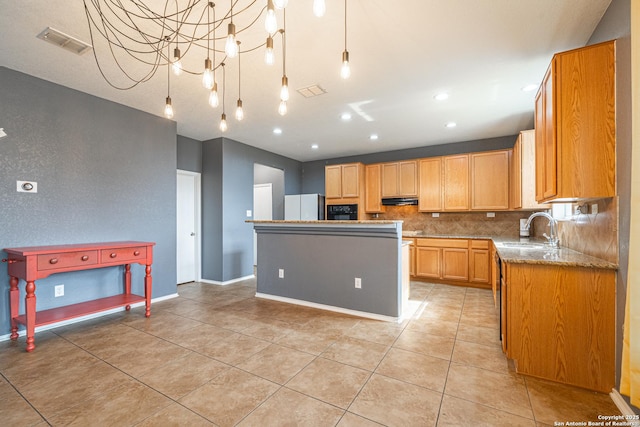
(575, 119)
(490, 180)
(412, 258)
(464, 261)
(559, 323)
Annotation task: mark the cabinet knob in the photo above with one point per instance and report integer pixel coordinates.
(53, 261)
(84, 257)
(136, 253)
(113, 255)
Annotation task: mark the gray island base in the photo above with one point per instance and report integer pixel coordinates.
(353, 267)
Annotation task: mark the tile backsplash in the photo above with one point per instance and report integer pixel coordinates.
(504, 224)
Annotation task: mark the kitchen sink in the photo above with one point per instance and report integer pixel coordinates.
(524, 245)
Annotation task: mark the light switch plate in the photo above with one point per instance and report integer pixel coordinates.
(27, 186)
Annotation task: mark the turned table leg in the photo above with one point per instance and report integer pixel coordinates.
(14, 298)
(147, 290)
(30, 311)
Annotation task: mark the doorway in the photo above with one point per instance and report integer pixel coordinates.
(262, 210)
(188, 239)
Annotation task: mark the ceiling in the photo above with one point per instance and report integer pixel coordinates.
(402, 53)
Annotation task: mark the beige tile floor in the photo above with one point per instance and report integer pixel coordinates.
(220, 356)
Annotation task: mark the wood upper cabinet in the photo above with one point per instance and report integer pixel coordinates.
(456, 182)
(430, 184)
(523, 172)
(373, 189)
(490, 180)
(560, 323)
(400, 179)
(343, 181)
(576, 127)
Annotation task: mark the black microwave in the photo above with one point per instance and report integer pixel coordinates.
(342, 212)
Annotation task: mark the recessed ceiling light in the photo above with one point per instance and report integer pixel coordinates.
(373, 137)
(441, 96)
(277, 131)
(345, 116)
(314, 147)
(529, 88)
(450, 125)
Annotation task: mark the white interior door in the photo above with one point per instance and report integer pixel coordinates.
(262, 210)
(188, 226)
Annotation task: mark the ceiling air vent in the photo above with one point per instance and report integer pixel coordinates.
(64, 41)
(311, 91)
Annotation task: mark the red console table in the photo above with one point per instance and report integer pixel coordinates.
(37, 262)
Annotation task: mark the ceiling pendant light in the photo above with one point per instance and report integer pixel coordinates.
(280, 4)
(345, 71)
(231, 48)
(223, 118)
(282, 108)
(284, 89)
(270, 22)
(319, 8)
(168, 108)
(207, 75)
(269, 55)
(239, 110)
(177, 65)
(213, 95)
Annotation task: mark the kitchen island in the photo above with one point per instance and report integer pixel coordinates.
(354, 267)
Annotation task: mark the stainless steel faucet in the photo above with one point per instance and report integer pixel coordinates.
(552, 239)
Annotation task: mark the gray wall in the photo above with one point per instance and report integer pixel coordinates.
(227, 193)
(105, 172)
(267, 175)
(616, 24)
(313, 172)
(189, 154)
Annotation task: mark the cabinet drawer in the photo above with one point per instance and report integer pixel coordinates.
(443, 243)
(67, 259)
(479, 244)
(119, 255)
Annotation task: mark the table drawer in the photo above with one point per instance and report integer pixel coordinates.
(67, 259)
(120, 255)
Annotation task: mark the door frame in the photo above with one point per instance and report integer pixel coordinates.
(197, 220)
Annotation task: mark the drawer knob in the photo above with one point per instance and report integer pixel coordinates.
(136, 253)
(53, 261)
(113, 255)
(84, 257)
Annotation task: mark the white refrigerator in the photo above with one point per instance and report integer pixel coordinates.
(303, 207)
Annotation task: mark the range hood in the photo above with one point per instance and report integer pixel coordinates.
(399, 201)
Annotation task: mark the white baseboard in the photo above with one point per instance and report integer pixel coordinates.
(228, 282)
(87, 317)
(330, 308)
(622, 404)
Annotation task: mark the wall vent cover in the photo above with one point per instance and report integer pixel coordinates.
(311, 91)
(64, 41)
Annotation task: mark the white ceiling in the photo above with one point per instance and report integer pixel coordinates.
(481, 52)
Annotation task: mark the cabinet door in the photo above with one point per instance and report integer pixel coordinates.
(430, 175)
(527, 167)
(539, 144)
(479, 266)
(408, 178)
(456, 182)
(550, 144)
(428, 262)
(372, 194)
(412, 259)
(390, 180)
(455, 264)
(350, 180)
(515, 175)
(333, 182)
(490, 180)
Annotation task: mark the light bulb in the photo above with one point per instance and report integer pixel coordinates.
(319, 8)
(239, 111)
(269, 56)
(223, 122)
(270, 22)
(284, 91)
(207, 76)
(231, 47)
(168, 109)
(280, 4)
(282, 108)
(177, 65)
(213, 96)
(345, 72)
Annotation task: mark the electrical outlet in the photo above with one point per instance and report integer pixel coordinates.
(58, 291)
(281, 273)
(594, 209)
(435, 215)
(491, 214)
(358, 283)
